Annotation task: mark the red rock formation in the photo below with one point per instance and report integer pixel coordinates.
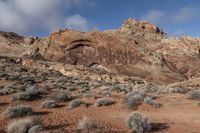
(138, 49)
(113, 52)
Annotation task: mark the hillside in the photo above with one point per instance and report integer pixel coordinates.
(107, 75)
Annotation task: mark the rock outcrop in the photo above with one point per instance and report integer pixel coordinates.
(137, 49)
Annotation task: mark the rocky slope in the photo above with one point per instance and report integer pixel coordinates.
(138, 49)
(62, 79)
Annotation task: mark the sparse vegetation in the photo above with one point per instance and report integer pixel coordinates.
(27, 95)
(90, 95)
(138, 123)
(121, 88)
(75, 103)
(86, 124)
(133, 99)
(103, 102)
(61, 97)
(36, 129)
(194, 95)
(7, 90)
(198, 103)
(36, 90)
(18, 111)
(149, 100)
(49, 104)
(23, 125)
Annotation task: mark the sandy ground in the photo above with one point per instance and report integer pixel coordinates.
(177, 115)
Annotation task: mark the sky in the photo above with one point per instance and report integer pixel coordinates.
(41, 17)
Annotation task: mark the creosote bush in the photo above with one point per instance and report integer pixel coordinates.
(138, 123)
(18, 111)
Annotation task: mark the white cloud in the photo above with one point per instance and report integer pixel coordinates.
(77, 22)
(154, 16)
(182, 15)
(179, 32)
(32, 16)
(186, 14)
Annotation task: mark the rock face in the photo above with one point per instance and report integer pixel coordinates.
(137, 49)
(12, 44)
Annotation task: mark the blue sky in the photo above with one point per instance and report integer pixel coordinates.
(41, 17)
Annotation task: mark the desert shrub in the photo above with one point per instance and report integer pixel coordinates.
(104, 88)
(156, 105)
(18, 111)
(121, 88)
(37, 90)
(90, 95)
(138, 123)
(86, 124)
(194, 95)
(148, 100)
(28, 95)
(105, 93)
(36, 129)
(163, 90)
(85, 86)
(198, 103)
(22, 125)
(75, 103)
(49, 104)
(61, 97)
(7, 90)
(103, 102)
(139, 94)
(95, 84)
(71, 88)
(180, 90)
(133, 99)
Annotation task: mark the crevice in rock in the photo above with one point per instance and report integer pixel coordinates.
(173, 68)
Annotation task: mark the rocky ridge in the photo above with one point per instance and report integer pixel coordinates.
(138, 49)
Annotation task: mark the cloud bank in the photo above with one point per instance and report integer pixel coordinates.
(183, 15)
(32, 16)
